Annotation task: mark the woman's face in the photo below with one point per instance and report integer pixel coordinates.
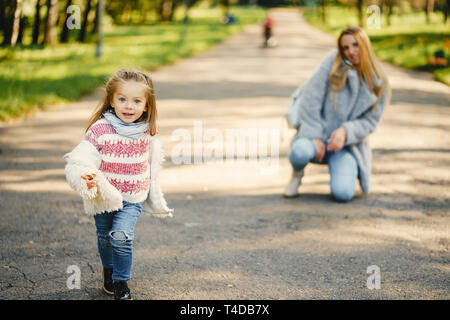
(350, 48)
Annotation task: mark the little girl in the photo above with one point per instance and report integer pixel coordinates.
(115, 171)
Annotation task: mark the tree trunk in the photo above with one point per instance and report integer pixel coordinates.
(16, 22)
(82, 34)
(390, 5)
(10, 8)
(165, 10)
(22, 26)
(2, 16)
(50, 22)
(172, 11)
(185, 20)
(65, 30)
(360, 5)
(226, 6)
(323, 5)
(446, 10)
(37, 23)
(429, 9)
(94, 29)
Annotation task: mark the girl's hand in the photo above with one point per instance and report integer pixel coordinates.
(88, 177)
(337, 139)
(320, 149)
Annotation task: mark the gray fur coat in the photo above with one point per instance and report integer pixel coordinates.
(313, 114)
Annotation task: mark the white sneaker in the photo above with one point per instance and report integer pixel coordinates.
(292, 187)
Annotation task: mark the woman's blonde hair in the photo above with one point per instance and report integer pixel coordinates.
(369, 68)
(111, 86)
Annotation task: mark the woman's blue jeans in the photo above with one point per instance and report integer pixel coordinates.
(342, 167)
(115, 234)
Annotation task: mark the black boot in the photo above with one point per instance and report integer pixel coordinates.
(121, 291)
(108, 285)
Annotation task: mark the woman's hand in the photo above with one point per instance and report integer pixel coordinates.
(88, 177)
(337, 139)
(320, 149)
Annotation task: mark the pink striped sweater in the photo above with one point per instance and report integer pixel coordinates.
(124, 161)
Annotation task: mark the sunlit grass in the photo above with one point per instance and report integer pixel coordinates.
(407, 42)
(32, 77)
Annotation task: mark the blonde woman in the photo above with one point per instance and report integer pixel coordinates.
(335, 111)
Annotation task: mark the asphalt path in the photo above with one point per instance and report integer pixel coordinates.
(233, 236)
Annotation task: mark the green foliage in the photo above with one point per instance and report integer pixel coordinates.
(144, 11)
(408, 42)
(33, 77)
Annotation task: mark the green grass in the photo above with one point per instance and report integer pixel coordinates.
(407, 42)
(32, 78)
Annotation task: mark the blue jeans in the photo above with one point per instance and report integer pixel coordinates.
(115, 234)
(342, 167)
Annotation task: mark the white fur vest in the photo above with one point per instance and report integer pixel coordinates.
(104, 197)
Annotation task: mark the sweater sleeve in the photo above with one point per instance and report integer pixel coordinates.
(85, 159)
(155, 203)
(292, 114)
(82, 160)
(311, 101)
(357, 130)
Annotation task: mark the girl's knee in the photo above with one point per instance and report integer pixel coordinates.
(104, 240)
(120, 239)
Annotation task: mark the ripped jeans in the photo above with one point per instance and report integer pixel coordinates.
(115, 234)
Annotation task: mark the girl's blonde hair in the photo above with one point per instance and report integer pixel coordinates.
(369, 69)
(114, 81)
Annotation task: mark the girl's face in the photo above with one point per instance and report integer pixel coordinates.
(350, 48)
(129, 101)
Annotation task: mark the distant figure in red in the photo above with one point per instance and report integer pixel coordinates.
(268, 28)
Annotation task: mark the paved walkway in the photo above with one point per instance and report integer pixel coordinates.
(233, 235)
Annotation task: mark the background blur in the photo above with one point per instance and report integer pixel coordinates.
(48, 56)
(233, 235)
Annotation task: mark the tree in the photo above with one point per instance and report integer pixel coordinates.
(22, 25)
(37, 23)
(50, 22)
(9, 7)
(323, 5)
(226, 6)
(389, 4)
(115, 9)
(166, 9)
(188, 4)
(65, 30)
(16, 22)
(360, 6)
(429, 8)
(95, 24)
(446, 10)
(82, 34)
(3, 17)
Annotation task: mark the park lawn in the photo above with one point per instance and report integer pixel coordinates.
(32, 78)
(407, 42)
